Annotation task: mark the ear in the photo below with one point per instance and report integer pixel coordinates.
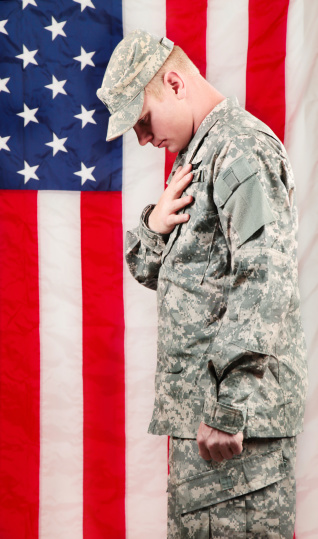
(176, 82)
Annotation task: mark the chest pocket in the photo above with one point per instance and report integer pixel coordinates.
(189, 246)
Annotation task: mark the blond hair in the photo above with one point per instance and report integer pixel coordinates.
(177, 60)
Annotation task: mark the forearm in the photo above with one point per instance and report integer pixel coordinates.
(143, 251)
(239, 383)
(258, 301)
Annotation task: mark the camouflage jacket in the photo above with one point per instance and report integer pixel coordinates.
(231, 348)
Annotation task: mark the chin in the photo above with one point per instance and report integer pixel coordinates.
(174, 148)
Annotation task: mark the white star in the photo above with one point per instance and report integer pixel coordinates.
(85, 173)
(56, 87)
(86, 116)
(2, 27)
(28, 115)
(85, 58)
(26, 2)
(29, 172)
(3, 143)
(57, 144)
(85, 3)
(56, 28)
(3, 85)
(27, 57)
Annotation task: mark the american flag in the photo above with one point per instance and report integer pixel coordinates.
(77, 334)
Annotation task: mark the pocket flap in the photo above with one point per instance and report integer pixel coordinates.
(237, 478)
(198, 175)
(175, 368)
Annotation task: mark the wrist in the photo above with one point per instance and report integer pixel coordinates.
(153, 224)
(146, 214)
(150, 223)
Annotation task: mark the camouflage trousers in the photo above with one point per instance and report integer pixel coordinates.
(250, 496)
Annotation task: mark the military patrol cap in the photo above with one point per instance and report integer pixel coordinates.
(133, 64)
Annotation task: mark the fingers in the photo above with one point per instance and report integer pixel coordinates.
(226, 453)
(231, 445)
(181, 172)
(173, 219)
(204, 452)
(203, 434)
(181, 179)
(164, 216)
(218, 445)
(204, 441)
(210, 450)
(181, 203)
(216, 455)
(237, 444)
(177, 188)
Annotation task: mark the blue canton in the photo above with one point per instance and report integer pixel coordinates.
(52, 125)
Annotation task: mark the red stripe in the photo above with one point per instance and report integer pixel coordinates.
(186, 26)
(265, 70)
(265, 75)
(19, 366)
(103, 366)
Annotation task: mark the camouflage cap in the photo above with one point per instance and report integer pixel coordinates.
(134, 62)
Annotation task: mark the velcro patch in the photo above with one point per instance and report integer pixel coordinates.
(239, 192)
(240, 170)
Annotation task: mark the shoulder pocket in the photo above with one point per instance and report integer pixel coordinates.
(240, 196)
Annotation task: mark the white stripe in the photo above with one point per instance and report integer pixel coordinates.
(61, 407)
(146, 455)
(301, 140)
(227, 42)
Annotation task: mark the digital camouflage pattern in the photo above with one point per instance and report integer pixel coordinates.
(134, 62)
(250, 496)
(231, 348)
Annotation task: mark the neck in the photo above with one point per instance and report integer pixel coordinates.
(204, 97)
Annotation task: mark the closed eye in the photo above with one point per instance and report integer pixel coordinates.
(143, 120)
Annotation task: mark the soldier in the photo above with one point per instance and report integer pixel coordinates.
(220, 249)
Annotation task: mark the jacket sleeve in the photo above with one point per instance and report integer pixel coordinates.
(143, 251)
(253, 194)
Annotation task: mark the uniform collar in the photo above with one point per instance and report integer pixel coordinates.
(219, 111)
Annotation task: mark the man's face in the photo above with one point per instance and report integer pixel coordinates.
(166, 123)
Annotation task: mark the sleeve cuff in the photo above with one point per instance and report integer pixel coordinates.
(226, 418)
(153, 240)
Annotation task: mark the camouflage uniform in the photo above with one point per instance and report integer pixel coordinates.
(231, 349)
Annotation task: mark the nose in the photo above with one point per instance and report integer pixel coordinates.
(143, 135)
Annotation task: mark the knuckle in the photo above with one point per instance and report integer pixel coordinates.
(199, 440)
(168, 221)
(211, 445)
